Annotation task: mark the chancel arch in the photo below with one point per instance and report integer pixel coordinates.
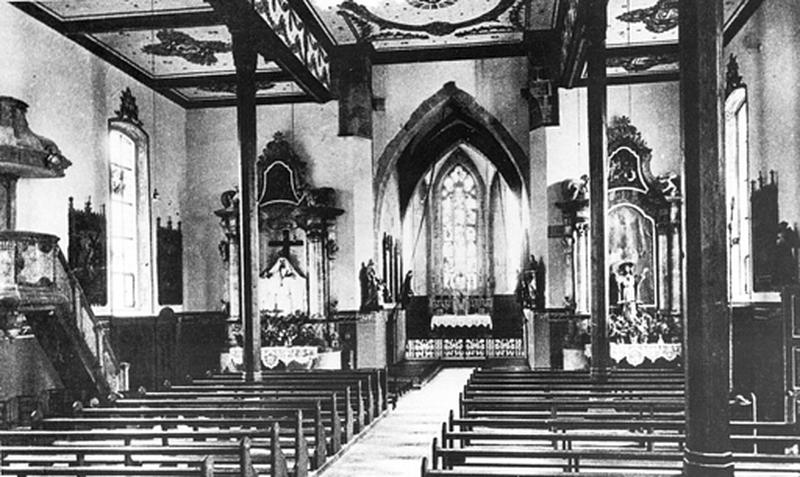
(447, 117)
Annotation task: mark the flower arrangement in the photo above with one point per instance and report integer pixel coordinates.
(632, 325)
(295, 329)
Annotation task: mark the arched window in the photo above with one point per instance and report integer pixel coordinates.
(460, 228)
(737, 193)
(128, 212)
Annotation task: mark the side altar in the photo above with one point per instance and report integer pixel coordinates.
(644, 257)
(296, 245)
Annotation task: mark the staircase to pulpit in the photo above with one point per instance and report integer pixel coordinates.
(52, 341)
(51, 304)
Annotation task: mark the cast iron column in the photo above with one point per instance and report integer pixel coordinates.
(244, 56)
(598, 196)
(708, 448)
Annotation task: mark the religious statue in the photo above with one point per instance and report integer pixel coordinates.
(627, 282)
(371, 288)
(576, 190)
(405, 291)
(528, 283)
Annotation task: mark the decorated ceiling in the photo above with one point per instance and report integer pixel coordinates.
(183, 49)
(391, 24)
(642, 36)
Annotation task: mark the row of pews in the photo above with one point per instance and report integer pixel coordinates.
(514, 423)
(288, 424)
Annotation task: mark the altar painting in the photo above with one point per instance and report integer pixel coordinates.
(631, 235)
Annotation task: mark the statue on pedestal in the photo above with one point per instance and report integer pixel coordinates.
(372, 288)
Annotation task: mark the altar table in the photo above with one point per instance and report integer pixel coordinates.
(453, 321)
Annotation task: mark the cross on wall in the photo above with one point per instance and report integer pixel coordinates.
(286, 244)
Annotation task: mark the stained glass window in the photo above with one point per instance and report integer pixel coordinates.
(459, 202)
(122, 217)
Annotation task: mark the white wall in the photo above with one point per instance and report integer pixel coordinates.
(72, 94)
(339, 162)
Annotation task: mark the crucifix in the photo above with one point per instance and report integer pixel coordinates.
(286, 244)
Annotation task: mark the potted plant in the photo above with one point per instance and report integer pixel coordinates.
(574, 344)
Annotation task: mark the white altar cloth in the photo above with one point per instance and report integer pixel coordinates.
(271, 356)
(461, 320)
(636, 354)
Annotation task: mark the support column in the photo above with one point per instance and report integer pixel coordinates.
(708, 448)
(244, 56)
(598, 194)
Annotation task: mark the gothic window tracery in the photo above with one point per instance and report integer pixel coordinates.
(459, 202)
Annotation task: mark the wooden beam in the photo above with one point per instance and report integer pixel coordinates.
(642, 50)
(449, 53)
(739, 19)
(240, 15)
(707, 452)
(263, 100)
(598, 187)
(244, 56)
(150, 21)
(275, 76)
(637, 78)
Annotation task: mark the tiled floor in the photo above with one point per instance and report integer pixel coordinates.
(396, 445)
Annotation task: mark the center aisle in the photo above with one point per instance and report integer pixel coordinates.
(396, 445)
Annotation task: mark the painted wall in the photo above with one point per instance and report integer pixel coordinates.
(213, 154)
(768, 52)
(72, 94)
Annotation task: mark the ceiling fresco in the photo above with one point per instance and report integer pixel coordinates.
(642, 22)
(168, 52)
(426, 23)
(651, 21)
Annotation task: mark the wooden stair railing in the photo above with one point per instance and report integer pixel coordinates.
(88, 334)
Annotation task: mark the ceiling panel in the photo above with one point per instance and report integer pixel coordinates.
(433, 23)
(636, 22)
(171, 52)
(80, 9)
(229, 92)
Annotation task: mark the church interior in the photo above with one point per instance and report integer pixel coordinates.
(400, 237)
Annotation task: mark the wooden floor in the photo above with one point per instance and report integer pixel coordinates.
(397, 443)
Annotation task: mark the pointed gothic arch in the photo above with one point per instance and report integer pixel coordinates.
(448, 117)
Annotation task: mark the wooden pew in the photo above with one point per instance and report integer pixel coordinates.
(291, 423)
(80, 458)
(375, 379)
(363, 403)
(347, 401)
(329, 415)
(565, 424)
(286, 402)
